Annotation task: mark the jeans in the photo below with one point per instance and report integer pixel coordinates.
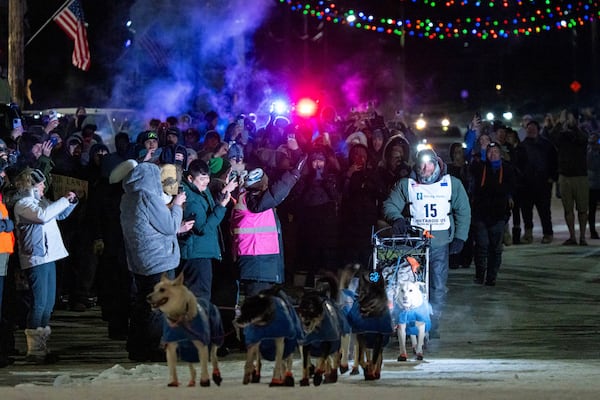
(197, 276)
(42, 283)
(488, 249)
(438, 277)
(145, 326)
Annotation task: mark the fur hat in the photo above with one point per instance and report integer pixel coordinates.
(28, 178)
(121, 170)
(357, 138)
(168, 179)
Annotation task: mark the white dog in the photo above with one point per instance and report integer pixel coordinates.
(413, 316)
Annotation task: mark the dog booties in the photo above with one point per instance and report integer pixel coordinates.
(285, 324)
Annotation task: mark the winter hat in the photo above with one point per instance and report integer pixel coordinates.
(428, 155)
(256, 179)
(74, 140)
(28, 178)
(357, 138)
(218, 166)
(121, 170)
(168, 179)
(27, 141)
(147, 135)
(236, 151)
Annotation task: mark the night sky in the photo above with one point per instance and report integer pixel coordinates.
(343, 65)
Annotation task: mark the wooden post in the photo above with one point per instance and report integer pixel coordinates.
(16, 50)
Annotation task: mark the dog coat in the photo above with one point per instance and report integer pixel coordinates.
(327, 336)
(370, 326)
(413, 315)
(285, 324)
(204, 327)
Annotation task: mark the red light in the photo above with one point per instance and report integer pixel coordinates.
(306, 107)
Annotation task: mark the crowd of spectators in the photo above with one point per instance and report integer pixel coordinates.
(338, 173)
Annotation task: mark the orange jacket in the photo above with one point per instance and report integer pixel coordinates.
(7, 239)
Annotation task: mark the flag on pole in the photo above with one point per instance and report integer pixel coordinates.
(71, 20)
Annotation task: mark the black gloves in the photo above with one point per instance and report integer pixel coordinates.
(6, 225)
(456, 246)
(400, 226)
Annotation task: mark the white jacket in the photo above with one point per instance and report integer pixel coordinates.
(37, 232)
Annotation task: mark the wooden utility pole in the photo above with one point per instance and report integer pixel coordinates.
(16, 50)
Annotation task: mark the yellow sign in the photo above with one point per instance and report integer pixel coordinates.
(61, 185)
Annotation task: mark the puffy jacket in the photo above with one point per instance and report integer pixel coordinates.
(39, 238)
(7, 239)
(149, 226)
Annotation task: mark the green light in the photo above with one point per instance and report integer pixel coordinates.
(358, 25)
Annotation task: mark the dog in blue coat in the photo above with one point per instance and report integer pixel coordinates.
(327, 333)
(272, 330)
(369, 316)
(191, 328)
(412, 312)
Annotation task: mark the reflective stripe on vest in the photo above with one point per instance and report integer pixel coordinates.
(253, 233)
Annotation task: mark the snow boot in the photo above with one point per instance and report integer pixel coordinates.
(527, 236)
(516, 235)
(507, 238)
(37, 350)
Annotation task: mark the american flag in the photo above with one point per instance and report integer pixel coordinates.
(70, 19)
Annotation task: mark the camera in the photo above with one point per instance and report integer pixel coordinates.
(53, 115)
(12, 157)
(54, 140)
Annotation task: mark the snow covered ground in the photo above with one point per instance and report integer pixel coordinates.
(430, 379)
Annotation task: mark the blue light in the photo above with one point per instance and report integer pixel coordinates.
(127, 43)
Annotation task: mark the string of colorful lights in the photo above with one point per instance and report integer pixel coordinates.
(467, 19)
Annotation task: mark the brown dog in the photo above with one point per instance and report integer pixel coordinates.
(188, 321)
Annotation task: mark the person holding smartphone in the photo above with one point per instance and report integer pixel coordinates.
(203, 245)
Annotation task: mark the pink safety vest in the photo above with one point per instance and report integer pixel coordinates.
(253, 233)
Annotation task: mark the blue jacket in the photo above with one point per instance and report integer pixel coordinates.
(149, 226)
